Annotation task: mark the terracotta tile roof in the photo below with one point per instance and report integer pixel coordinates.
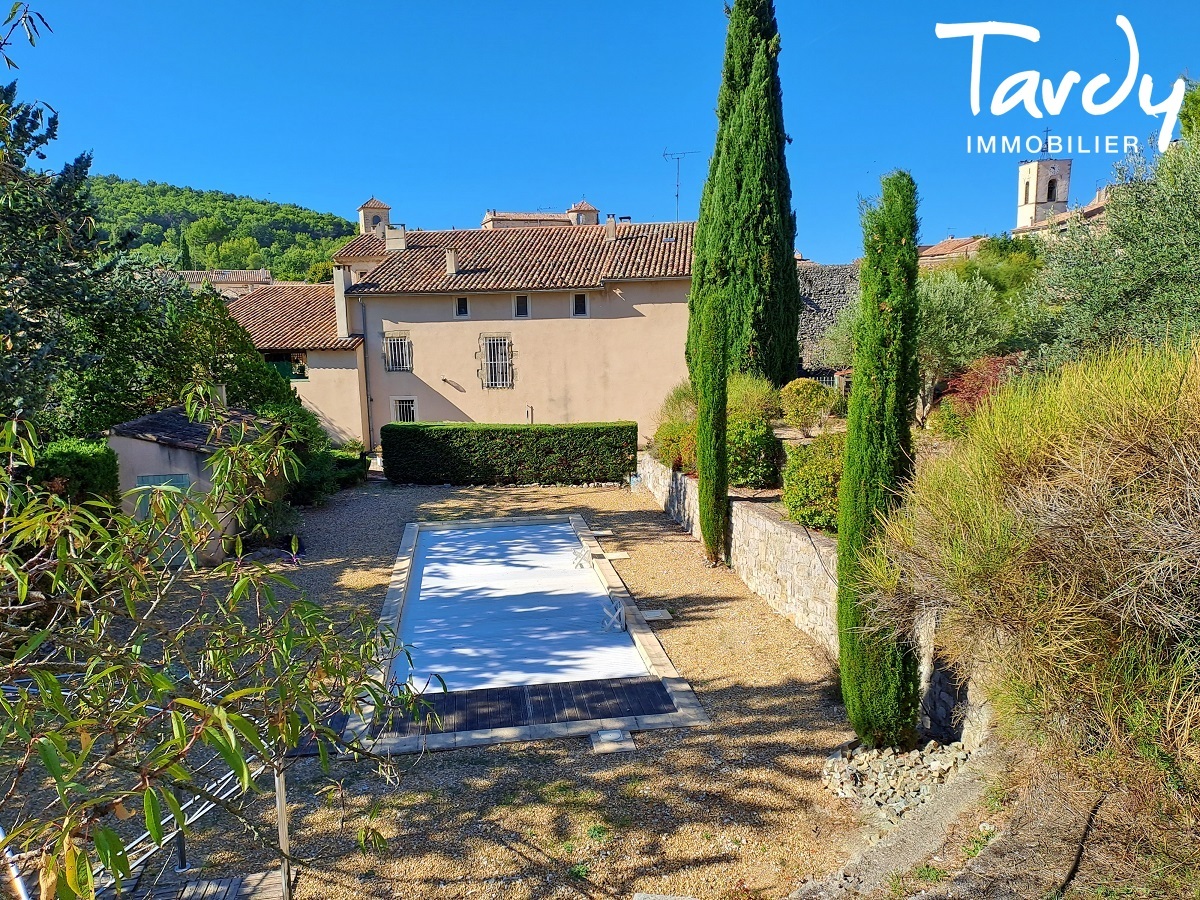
(583, 206)
(291, 317)
(374, 204)
(226, 276)
(950, 248)
(365, 246)
(549, 258)
(1058, 221)
(172, 427)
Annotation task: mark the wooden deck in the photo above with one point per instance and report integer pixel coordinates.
(258, 886)
(534, 704)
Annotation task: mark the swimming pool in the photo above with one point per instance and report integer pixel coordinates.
(533, 633)
(504, 605)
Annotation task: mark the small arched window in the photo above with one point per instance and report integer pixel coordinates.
(1052, 190)
(375, 220)
(1027, 192)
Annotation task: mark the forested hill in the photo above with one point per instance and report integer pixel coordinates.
(221, 231)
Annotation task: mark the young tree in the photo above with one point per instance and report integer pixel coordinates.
(712, 452)
(745, 239)
(878, 670)
(135, 675)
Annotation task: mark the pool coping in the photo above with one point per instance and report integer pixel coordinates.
(688, 712)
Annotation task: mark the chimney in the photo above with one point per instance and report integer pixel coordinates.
(610, 228)
(451, 261)
(397, 238)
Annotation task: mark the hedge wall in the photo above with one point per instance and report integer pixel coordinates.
(474, 453)
(78, 469)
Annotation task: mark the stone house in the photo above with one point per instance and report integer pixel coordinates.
(570, 321)
(531, 318)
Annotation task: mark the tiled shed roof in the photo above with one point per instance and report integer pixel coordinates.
(291, 317)
(550, 258)
(374, 204)
(172, 427)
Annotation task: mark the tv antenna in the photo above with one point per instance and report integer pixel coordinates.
(678, 158)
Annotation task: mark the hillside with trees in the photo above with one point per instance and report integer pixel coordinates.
(194, 229)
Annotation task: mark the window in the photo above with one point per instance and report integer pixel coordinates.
(521, 307)
(292, 365)
(397, 352)
(375, 220)
(579, 305)
(1027, 192)
(180, 482)
(1052, 190)
(496, 353)
(404, 409)
(461, 309)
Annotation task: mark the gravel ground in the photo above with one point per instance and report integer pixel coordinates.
(735, 810)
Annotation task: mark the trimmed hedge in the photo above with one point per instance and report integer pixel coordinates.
(476, 453)
(806, 402)
(811, 478)
(753, 454)
(78, 469)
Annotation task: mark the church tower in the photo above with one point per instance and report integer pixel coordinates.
(1042, 187)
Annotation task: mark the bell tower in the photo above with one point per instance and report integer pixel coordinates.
(374, 216)
(1042, 189)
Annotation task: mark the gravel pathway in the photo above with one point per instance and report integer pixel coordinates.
(731, 811)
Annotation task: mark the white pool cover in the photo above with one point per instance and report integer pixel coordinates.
(503, 606)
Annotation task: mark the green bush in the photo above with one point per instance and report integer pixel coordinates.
(78, 469)
(806, 402)
(675, 446)
(752, 398)
(350, 467)
(476, 453)
(680, 404)
(811, 477)
(947, 420)
(316, 480)
(301, 419)
(753, 453)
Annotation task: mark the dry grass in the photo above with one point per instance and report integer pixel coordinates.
(734, 810)
(1057, 547)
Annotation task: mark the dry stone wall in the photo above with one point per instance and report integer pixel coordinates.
(795, 571)
(824, 292)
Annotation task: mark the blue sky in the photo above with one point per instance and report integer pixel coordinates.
(445, 110)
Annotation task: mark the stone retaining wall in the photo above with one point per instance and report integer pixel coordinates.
(795, 571)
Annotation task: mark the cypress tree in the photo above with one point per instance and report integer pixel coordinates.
(185, 253)
(745, 238)
(878, 671)
(712, 455)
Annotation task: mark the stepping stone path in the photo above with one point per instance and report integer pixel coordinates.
(888, 784)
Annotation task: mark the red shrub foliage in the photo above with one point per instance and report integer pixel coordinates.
(981, 379)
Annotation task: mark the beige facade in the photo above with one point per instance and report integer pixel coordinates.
(335, 390)
(137, 458)
(616, 363)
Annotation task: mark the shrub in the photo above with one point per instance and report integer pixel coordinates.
(811, 478)
(316, 480)
(751, 398)
(476, 453)
(1055, 547)
(979, 381)
(806, 402)
(350, 467)
(947, 420)
(753, 453)
(675, 446)
(680, 404)
(301, 419)
(78, 469)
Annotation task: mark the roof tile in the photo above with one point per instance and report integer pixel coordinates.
(291, 317)
(549, 258)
